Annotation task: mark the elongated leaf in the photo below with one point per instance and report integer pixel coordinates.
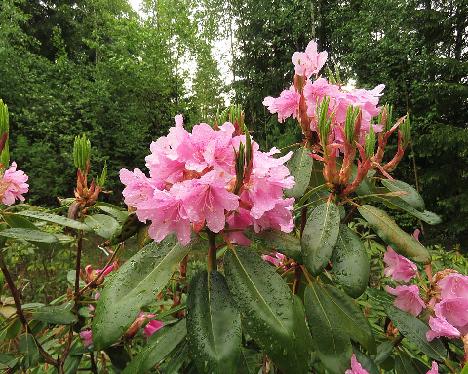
(344, 309)
(384, 350)
(103, 225)
(300, 167)
(366, 362)
(15, 220)
(319, 236)
(397, 203)
(59, 220)
(351, 266)
(333, 344)
(409, 194)
(159, 346)
(56, 314)
(114, 211)
(29, 350)
(213, 325)
(392, 234)
(415, 330)
(273, 318)
(403, 365)
(29, 235)
(134, 285)
(287, 244)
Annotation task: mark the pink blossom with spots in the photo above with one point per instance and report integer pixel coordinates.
(398, 267)
(13, 185)
(310, 61)
(407, 299)
(286, 105)
(152, 326)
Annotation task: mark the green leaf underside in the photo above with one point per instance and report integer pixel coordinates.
(409, 194)
(29, 235)
(103, 225)
(134, 285)
(53, 218)
(393, 235)
(279, 241)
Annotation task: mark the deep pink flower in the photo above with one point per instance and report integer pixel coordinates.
(86, 337)
(286, 105)
(309, 62)
(356, 367)
(152, 326)
(192, 180)
(455, 311)
(398, 267)
(440, 327)
(277, 259)
(407, 298)
(434, 368)
(13, 185)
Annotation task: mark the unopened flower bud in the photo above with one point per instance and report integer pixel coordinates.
(4, 131)
(370, 142)
(81, 152)
(352, 114)
(324, 121)
(405, 129)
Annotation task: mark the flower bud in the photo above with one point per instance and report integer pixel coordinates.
(405, 129)
(350, 123)
(385, 117)
(81, 152)
(324, 121)
(370, 142)
(4, 130)
(102, 178)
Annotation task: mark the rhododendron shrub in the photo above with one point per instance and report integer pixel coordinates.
(247, 260)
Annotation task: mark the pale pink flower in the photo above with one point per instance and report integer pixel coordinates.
(407, 298)
(356, 367)
(86, 337)
(454, 286)
(398, 267)
(13, 185)
(440, 327)
(434, 368)
(455, 311)
(286, 105)
(191, 183)
(152, 326)
(309, 62)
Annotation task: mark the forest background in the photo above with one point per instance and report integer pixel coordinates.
(120, 75)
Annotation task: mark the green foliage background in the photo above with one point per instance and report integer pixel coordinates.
(96, 66)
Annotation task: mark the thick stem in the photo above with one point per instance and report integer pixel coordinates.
(211, 259)
(19, 311)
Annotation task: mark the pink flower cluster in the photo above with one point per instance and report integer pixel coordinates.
(450, 308)
(450, 302)
(310, 63)
(192, 177)
(13, 185)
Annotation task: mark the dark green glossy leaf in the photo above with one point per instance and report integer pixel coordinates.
(384, 350)
(409, 194)
(56, 314)
(272, 316)
(333, 344)
(134, 285)
(366, 362)
(159, 346)
(11, 329)
(300, 167)
(288, 244)
(118, 356)
(29, 235)
(15, 220)
(103, 225)
(415, 331)
(393, 235)
(351, 266)
(351, 319)
(213, 324)
(29, 350)
(319, 236)
(59, 220)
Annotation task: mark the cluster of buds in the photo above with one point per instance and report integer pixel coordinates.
(85, 196)
(338, 176)
(96, 276)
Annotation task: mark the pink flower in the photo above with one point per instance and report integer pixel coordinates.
(434, 368)
(286, 105)
(87, 337)
(454, 286)
(13, 185)
(440, 327)
(455, 311)
(191, 183)
(398, 267)
(277, 259)
(356, 367)
(152, 326)
(309, 62)
(91, 274)
(407, 298)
